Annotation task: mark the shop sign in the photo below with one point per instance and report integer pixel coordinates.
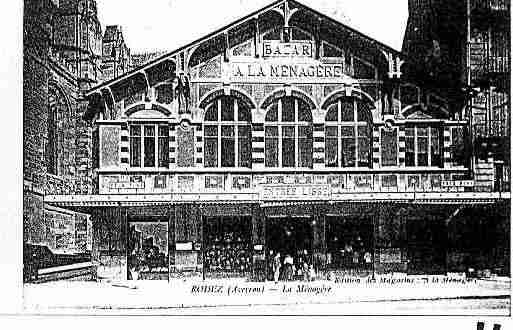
(275, 192)
(184, 246)
(287, 49)
(458, 183)
(285, 71)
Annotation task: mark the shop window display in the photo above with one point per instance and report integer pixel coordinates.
(227, 246)
(147, 251)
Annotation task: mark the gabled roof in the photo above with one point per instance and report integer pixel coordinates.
(271, 6)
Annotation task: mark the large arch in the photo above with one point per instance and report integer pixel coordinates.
(142, 106)
(58, 136)
(281, 92)
(355, 92)
(237, 93)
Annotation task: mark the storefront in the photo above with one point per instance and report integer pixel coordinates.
(285, 132)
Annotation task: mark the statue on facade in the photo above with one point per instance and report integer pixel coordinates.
(181, 94)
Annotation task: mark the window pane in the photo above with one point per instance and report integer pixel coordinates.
(347, 110)
(211, 152)
(227, 109)
(271, 146)
(228, 152)
(332, 114)
(135, 151)
(348, 152)
(149, 130)
(305, 146)
(135, 130)
(149, 151)
(163, 146)
(436, 159)
(244, 146)
(422, 156)
(288, 112)
(228, 131)
(410, 151)
(389, 147)
(289, 131)
(288, 152)
(244, 113)
(348, 146)
(210, 130)
(211, 112)
(331, 151)
(410, 146)
(272, 113)
(363, 151)
(363, 113)
(304, 113)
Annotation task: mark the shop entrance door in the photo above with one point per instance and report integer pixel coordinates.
(148, 250)
(349, 243)
(290, 236)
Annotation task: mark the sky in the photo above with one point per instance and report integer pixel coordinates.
(165, 25)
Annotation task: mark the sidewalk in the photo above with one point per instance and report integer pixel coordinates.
(72, 297)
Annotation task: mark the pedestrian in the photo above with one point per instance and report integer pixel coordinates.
(277, 267)
(288, 265)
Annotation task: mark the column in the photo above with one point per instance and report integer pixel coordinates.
(447, 147)
(125, 146)
(258, 146)
(318, 146)
(376, 147)
(173, 145)
(402, 145)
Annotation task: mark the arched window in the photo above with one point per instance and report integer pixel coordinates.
(348, 133)
(227, 133)
(59, 137)
(288, 134)
(52, 136)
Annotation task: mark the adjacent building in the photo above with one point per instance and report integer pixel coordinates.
(62, 54)
(285, 132)
(461, 50)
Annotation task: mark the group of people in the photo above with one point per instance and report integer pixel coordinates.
(229, 258)
(288, 268)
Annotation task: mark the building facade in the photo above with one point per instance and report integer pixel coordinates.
(62, 48)
(462, 52)
(284, 132)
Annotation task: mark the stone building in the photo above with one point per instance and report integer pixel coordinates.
(116, 59)
(285, 132)
(462, 52)
(62, 48)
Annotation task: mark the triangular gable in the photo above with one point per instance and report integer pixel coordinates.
(363, 41)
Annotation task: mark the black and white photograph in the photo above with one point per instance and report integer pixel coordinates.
(310, 157)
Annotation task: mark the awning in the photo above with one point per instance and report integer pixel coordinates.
(252, 198)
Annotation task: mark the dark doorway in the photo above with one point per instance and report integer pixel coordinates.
(289, 235)
(349, 242)
(427, 246)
